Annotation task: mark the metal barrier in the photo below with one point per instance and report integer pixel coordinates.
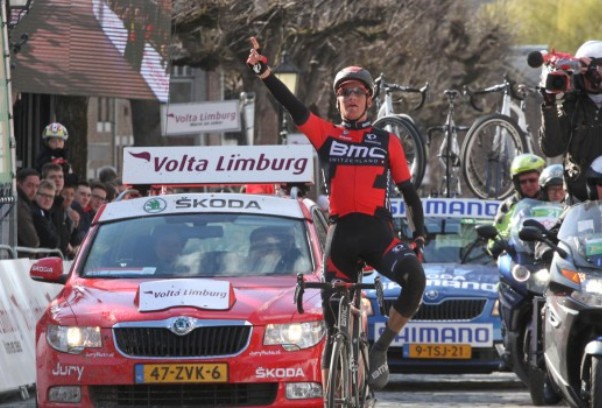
(11, 251)
(38, 251)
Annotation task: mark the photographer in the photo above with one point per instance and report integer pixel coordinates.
(571, 121)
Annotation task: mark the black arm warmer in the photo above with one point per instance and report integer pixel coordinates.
(414, 210)
(299, 112)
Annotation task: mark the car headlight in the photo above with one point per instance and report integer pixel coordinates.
(73, 339)
(294, 336)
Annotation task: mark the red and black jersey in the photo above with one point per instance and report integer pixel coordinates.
(361, 165)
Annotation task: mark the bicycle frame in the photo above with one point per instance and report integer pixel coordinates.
(449, 150)
(350, 326)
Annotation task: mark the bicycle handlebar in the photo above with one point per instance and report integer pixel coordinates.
(392, 87)
(505, 87)
(337, 287)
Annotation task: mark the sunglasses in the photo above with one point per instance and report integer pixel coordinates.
(357, 91)
(528, 180)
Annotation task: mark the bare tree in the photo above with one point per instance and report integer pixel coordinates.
(445, 42)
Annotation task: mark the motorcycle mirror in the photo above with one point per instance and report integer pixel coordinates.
(486, 231)
(531, 233)
(530, 222)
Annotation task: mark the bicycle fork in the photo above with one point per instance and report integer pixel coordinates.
(449, 157)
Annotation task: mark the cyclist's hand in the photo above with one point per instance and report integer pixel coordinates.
(418, 248)
(257, 62)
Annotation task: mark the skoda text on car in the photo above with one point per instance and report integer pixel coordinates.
(457, 327)
(176, 300)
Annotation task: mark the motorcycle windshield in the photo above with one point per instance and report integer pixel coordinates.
(581, 230)
(546, 213)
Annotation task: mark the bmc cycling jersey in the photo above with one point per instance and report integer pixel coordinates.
(360, 165)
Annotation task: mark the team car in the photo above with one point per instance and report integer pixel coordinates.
(457, 327)
(180, 299)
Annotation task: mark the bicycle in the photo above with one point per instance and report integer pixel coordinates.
(402, 125)
(494, 140)
(347, 384)
(449, 151)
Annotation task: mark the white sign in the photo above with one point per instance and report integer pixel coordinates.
(200, 293)
(202, 117)
(218, 164)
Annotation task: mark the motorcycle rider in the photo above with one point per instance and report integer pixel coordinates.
(551, 183)
(525, 171)
(360, 223)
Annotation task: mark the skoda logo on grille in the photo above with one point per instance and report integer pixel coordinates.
(431, 294)
(181, 326)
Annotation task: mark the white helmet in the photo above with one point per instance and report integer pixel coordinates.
(591, 49)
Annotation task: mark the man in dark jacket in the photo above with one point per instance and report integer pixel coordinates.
(28, 181)
(572, 125)
(49, 236)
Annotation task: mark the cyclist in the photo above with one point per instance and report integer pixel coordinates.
(525, 171)
(361, 161)
(551, 183)
(572, 124)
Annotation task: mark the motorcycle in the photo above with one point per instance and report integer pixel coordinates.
(573, 308)
(523, 279)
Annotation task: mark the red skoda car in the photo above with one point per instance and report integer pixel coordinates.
(186, 300)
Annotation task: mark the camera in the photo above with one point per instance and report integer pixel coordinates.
(562, 70)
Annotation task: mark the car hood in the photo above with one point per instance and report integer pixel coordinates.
(105, 302)
(449, 279)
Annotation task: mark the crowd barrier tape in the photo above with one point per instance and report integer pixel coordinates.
(22, 302)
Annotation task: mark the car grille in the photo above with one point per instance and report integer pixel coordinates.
(184, 395)
(451, 309)
(200, 342)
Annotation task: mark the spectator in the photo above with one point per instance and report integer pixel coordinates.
(83, 194)
(97, 199)
(28, 182)
(572, 124)
(107, 174)
(71, 219)
(54, 150)
(47, 232)
(58, 214)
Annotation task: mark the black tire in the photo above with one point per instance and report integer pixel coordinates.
(485, 164)
(411, 140)
(365, 391)
(541, 389)
(596, 382)
(338, 387)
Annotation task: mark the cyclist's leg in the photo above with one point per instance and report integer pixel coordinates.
(339, 264)
(397, 262)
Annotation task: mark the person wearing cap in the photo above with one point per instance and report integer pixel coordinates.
(54, 149)
(360, 161)
(572, 121)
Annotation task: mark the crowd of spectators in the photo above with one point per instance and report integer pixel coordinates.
(55, 208)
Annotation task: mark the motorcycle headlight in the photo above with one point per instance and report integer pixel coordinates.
(73, 339)
(294, 336)
(591, 288)
(520, 273)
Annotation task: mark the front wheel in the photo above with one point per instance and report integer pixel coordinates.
(411, 140)
(338, 386)
(596, 382)
(490, 145)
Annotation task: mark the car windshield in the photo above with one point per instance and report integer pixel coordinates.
(199, 245)
(453, 240)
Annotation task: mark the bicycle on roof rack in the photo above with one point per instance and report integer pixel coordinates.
(449, 150)
(400, 124)
(347, 383)
(494, 140)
